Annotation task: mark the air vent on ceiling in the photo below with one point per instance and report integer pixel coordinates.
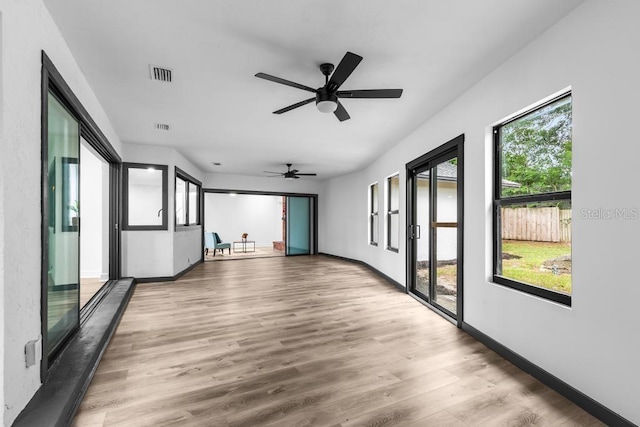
(160, 74)
(162, 126)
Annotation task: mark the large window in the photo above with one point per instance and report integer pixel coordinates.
(187, 199)
(373, 214)
(532, 201)
(145, 197)
(393, 212)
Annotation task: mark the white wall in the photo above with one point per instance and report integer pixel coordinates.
(592, 345)
(258, 215)
(160, 253)
(27, 28)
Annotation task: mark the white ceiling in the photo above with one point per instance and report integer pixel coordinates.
(219, 112)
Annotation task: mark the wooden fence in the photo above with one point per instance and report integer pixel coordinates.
(549, 224)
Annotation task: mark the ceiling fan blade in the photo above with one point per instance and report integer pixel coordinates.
(284, 82)
(296, 105)
(344, 69)
(370, 93)
(277, 173)
(341, 113)
(307, 174)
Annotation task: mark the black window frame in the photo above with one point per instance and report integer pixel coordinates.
(189, 181)
(391, 212)
(125, 196)
(373, 212)
(499, 202)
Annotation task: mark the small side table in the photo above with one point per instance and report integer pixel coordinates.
(243, 245)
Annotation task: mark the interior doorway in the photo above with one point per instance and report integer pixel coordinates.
(94, 231)
(435, 214)
(258, 224)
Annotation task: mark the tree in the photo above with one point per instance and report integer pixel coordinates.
(536, 150)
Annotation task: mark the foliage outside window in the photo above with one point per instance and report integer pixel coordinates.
(393, 212)
(145, 197)
(532, 200)
(373, 214)
(187, 200)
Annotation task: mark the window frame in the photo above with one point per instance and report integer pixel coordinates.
(125, 196)
(391, 212)
(189, 181)
(499, 201)
(374, 212)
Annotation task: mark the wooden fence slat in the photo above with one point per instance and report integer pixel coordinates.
(548, 224)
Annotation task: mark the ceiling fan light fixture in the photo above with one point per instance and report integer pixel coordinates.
(326, 102)
(327, 106)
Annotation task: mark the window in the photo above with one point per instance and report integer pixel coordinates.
(373, 214)
(145, 197)
(393, 212)
(187, 199)
(532, 201)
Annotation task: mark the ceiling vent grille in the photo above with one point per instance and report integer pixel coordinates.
(160, 74)
(162, 126)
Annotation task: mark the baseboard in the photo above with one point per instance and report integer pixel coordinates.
(375, 270)
(168, 278)
(595, 408)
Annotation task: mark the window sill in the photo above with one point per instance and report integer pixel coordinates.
(188, 227)
(390, 249)
(547, 294)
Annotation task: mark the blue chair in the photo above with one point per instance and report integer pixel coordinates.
(213, 241)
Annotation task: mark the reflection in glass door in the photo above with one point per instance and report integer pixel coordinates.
(435, 190)
(62, 280)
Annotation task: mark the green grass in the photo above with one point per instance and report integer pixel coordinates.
(528, 269)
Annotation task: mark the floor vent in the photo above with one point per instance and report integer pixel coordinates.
(162, 126)
(160, 74)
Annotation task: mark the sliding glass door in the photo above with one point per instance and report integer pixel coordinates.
(298, 239)
(63, 208)
(435, 218)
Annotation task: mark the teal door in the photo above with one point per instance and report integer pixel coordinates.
(298, 238)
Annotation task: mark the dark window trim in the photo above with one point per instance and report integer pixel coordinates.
(392, 212)
(373, 211)
(502, 201)
(53, 82)
(188, 179)
(125, 197)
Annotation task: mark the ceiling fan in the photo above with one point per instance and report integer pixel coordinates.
(327, 96)
(290, 173)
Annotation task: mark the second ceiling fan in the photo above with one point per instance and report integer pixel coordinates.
(327, 97)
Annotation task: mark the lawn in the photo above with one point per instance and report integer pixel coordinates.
(529, 267)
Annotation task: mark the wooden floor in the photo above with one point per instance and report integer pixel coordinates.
(303, 341)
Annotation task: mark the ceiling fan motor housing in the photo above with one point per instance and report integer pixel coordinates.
(326, 101)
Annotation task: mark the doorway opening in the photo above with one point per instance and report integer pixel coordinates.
(435, 216)
(94, 232)
(251, 224)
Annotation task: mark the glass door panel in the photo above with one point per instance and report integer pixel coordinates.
(422, 190)
(298, 241)
(445, 234)
(63, 140)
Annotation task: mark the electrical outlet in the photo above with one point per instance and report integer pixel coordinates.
(32, 352)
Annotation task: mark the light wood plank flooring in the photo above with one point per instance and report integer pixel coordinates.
(303, 341)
